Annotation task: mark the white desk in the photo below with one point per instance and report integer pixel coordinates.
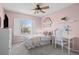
(69, 37)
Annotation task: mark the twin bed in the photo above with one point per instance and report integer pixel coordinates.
(36, 40)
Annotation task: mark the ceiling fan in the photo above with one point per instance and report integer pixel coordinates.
(40, 8)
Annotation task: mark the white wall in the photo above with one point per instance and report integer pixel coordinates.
(5, 41)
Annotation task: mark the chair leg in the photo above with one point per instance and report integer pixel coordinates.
(55, 45)
(62, 46)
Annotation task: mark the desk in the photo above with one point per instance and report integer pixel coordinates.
(69, 37)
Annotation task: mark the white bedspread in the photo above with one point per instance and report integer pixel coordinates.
(36, 40)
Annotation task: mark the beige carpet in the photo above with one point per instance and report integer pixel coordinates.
(20, 49)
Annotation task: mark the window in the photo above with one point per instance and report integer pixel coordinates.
(22, 26)
(26, 26)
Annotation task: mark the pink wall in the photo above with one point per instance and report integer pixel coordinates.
(13, 15)
(71, 12)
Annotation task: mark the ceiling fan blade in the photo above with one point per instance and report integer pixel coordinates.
(42, 11)
(35, 12)
(35, 9)
(46, 7)
(38, 12)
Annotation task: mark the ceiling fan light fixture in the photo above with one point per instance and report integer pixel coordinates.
(39, 8)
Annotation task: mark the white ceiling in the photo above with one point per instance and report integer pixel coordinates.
(26, 8)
